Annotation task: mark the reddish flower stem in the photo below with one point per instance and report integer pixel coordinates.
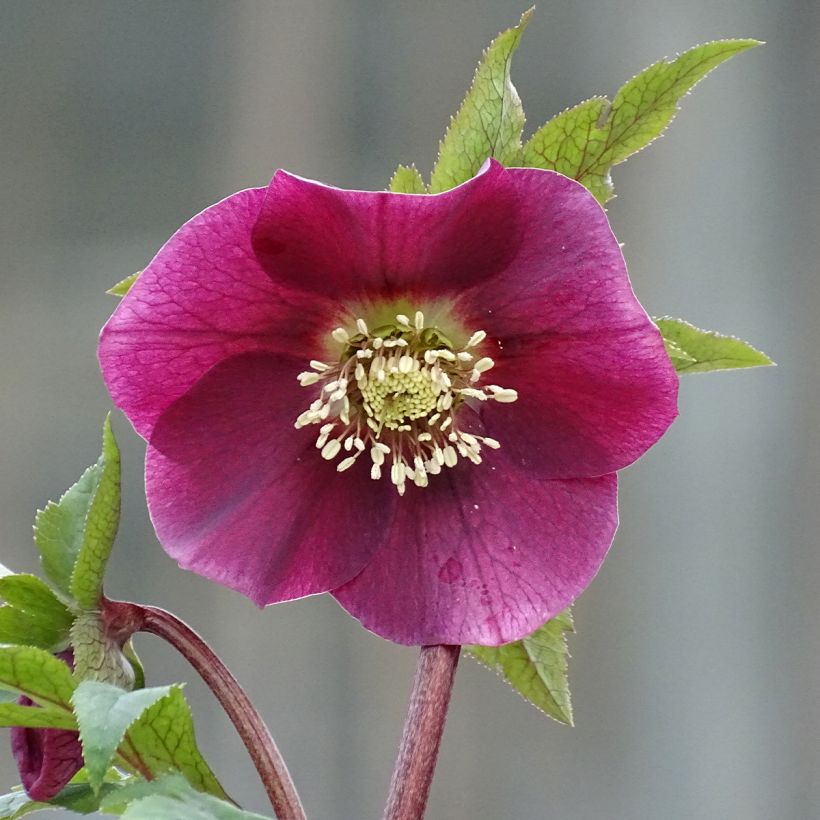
(423, 728)
(124, 619)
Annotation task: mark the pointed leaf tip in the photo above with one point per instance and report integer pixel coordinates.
(100, 525)
(489, 121)
(536, 666)
(584, 142)
(124, 285)
(407, 180)
(693, 350)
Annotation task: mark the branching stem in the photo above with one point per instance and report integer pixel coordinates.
(124, 619)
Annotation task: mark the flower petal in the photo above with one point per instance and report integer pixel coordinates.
(203, 298)
(47, 759)
(596, 388)
(484, 555)
(359, 244)
(239, 496)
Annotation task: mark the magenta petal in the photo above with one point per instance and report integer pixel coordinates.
(359, 244)
(484, 555)
(239, 496)
(203, 298)
(47, 759)
(596, 387)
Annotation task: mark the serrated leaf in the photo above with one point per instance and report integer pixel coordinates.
(490, 120)
(162, 740)
(407, 180)
(170, 798)
(584, 142)
(536, 666)
(124, 285)
(21, 628)
(97, 656)
(38, 675)
(706, 350)
(34, 717)
(104, 713)
(31, 594)
(59, 528)
(101, 525)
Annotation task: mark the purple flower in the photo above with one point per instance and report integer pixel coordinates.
(417, 403)
(47, 759)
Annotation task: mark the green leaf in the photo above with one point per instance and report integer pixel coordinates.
(17, 627)
(124, 285)
(407, 180)
(101, 526)
(705, 350)
(75, 535)
(58, 529)
(80, 798)
(31, 594)
(37, 674)
(680, 358)
(17, 804)
(34, 717)
(536, 666)
(490, 120)
(584, 142)
(104, 713)
(162, 740)
(170, 798)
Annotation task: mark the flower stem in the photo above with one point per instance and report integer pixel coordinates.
(432, 686)
(123, 619)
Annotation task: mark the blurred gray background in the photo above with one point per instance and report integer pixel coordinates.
(696, 667)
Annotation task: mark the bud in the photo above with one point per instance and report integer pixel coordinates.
(47, 759)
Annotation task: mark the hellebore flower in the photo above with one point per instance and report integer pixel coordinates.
(47, 759)
(417, 403)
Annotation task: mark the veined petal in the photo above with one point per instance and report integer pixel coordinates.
(239, 496)
(47, 759)
(202, 299)
(595, 386)
(484, 555)
(355, 245)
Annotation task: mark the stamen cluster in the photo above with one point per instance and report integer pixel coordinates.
(395, 392)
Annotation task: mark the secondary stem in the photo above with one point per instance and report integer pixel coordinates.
(125, 618)
(432, 686)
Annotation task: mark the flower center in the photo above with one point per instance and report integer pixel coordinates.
(395, 392)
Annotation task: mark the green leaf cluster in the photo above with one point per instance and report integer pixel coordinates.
(583, 143)
(146, 734)
(128, 734)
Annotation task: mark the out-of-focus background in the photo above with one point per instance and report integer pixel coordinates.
(696, 667)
